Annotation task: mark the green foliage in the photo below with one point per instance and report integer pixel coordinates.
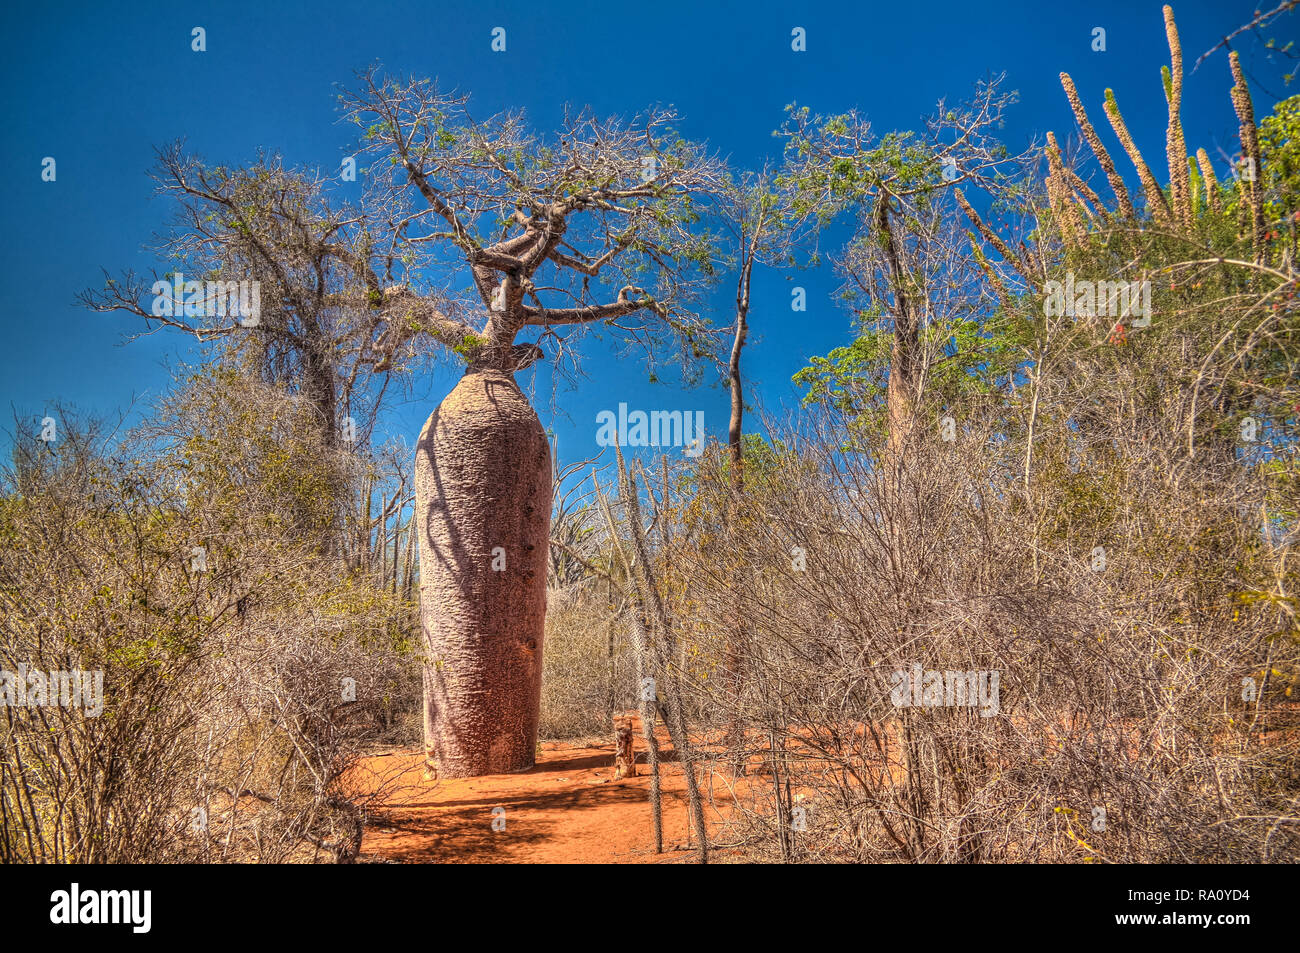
(975, 356)
(1279, 144)
(469, 346)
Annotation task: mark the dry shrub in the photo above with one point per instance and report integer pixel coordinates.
(1120, 734)
(588, 671)
(227, 725)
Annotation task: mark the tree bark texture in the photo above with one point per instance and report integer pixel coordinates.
(483, 512)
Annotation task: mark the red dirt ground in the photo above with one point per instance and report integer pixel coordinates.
(566, 809)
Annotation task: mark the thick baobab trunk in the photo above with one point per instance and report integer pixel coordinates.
(483, 512)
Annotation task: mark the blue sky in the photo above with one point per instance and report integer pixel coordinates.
(99, 86)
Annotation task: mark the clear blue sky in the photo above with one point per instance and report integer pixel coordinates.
(99, 86)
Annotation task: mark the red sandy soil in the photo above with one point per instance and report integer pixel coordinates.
(566, 809)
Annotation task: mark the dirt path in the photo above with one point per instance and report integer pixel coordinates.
(566, 809)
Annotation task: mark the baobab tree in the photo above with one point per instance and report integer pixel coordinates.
(595, 225)
(322, 329)
(894, 185)
(912, 271)
(308, 262)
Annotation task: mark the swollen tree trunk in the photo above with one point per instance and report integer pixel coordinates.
(905, 353)
(483, 512)
(902, 392)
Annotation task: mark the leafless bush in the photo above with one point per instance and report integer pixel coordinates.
(243, 669)
(589, 672)
(1121, 602)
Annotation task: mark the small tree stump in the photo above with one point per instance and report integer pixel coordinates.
(624, 753)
